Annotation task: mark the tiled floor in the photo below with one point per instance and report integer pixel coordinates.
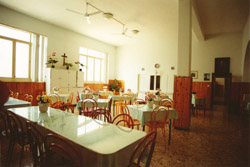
(218, 139)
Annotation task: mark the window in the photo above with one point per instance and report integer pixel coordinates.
(15, 49)
(23, 55)
(95, 68)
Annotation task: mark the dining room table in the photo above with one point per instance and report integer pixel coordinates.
(143, 113)
(102, 103)
(14, 103)
(63, 97)
(100, 144)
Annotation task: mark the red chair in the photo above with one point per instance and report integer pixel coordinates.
(77, 97)
(87, 107)
(126, 119)
(60, 152)
(143, 151)
(36, 141)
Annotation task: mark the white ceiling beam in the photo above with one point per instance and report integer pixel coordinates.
(196, 23)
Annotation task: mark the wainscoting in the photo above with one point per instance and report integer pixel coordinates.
(32, 88)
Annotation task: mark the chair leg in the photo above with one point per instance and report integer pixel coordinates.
(21, 156)
(10, 152)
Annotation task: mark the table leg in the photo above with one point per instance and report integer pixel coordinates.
(169, 136)
(143, 128)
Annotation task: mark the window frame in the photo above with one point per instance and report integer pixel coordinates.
(14, 41)
(101, 73)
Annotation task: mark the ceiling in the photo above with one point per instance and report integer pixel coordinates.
(152, 17)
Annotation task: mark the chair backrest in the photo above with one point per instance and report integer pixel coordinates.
(77, 97)
(58, 105)
(110, 104)
(143, 150)
(15, 125)
(70, 98)
(28, 98)
(3, 122)
(68, 107)
(36, 142)
(61, 152)
(89, 95)
(102, 114)
(166, 102)
(158, 110)
(124, 120)
(118, 107)
(88, 106)
(139, 101)
(16, 95)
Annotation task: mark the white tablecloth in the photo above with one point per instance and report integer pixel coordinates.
(14, 103)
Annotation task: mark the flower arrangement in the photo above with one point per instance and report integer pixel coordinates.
(122, 90)
(158, 92)
(52, 60)
(68, 65)
(149, 96)
(86, 88)
(43, 99)
(56, 89)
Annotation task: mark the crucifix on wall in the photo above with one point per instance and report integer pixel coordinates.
(64, 57)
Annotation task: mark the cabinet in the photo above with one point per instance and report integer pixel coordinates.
(66, 80)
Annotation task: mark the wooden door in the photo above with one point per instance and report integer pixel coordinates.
(182, 101)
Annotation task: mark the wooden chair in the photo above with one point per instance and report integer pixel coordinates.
(125, 120)
(60, 152)
(57, 105)
(167, 102)
(68, 107)
(89, 95)
(139, 101)
(11, 93)
(17, 135)
(118, 107)
(87, 107)
(102, 114)
(137, 123)
(28, 98)
(70, 98)
(16, 95)
(143, 151)
(77, 97)
(36, 142)
(159, 118)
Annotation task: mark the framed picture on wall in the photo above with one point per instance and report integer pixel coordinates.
(206, 76)
(194, 74)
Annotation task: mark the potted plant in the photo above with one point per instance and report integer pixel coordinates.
(80, 64)
(68, 65)
(114, 86)
(52, 60)
(56, 90)
(43, 102)
(149, 98)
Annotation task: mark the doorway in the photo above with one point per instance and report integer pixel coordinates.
(221, 89)
(219, 94)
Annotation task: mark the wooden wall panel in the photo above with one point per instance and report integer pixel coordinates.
(237, 92)
(32, 88)
(203, 89)
(95, 86)
(182, 101)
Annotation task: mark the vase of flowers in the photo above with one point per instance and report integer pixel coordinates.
(43, 102)
(80, 65)
(56, 90)
(52, 60)
(86, 89)
(96, 94)
(149, 98)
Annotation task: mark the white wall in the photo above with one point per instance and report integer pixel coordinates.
(145, 53)
(222, 45)
(60, 40)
